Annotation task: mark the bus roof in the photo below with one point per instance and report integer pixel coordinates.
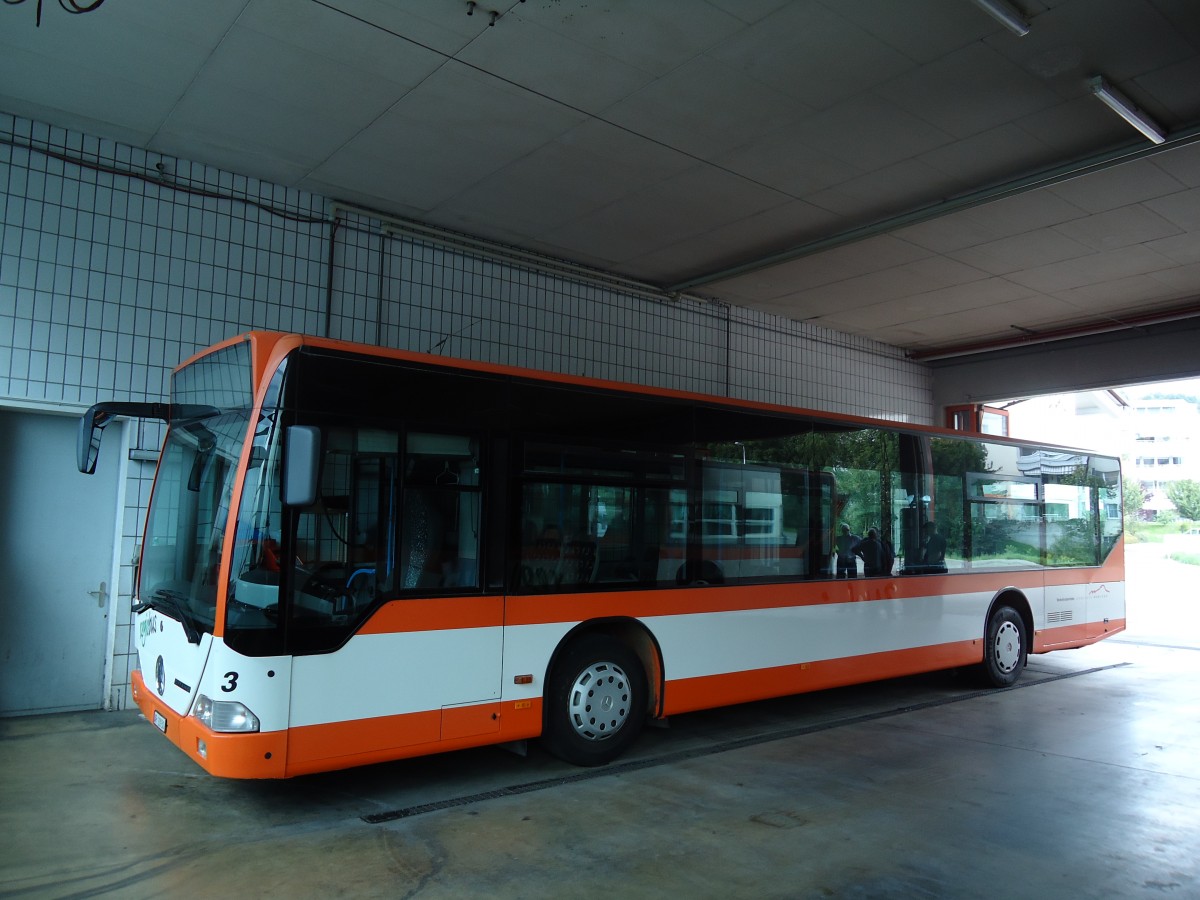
(271, 346)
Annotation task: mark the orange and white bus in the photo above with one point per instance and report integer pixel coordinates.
(355, 554)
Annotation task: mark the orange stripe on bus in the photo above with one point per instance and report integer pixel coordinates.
(258, 755)
(435, 614)
(312, 744)
(442, 613)
(336, 745)
(709, 691)
(539, 609)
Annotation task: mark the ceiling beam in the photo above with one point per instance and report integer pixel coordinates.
(1044, 178)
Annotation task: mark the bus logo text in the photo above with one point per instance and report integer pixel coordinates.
(148, 626)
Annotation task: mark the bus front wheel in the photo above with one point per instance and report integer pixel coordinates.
(1005, 650)
(595, 703)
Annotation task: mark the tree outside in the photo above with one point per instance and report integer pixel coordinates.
(1186, 497)
(1132, 500)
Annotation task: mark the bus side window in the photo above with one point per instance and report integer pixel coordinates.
(740, 529)
(769, 507)
(953, 459)
(440, 517)
(559, 536)
(395, 515)
(342, 538)
(594, 515)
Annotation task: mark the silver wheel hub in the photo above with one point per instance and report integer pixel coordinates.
(1006, 651)
(599, 701)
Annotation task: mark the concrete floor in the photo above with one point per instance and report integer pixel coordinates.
(1084, 781)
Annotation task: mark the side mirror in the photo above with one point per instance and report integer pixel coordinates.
(87, 442)
(301, 465)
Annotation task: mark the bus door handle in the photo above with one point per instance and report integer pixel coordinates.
(101, 595)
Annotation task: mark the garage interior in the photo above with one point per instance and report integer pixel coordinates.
(930, 176)
(869, 207)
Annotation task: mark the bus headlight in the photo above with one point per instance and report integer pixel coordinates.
(224, 715)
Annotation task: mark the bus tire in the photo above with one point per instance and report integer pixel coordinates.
(1005, 647)
(595, 703)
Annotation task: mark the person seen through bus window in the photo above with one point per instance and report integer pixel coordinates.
(847, 563)
(933, 549)
(875, 554)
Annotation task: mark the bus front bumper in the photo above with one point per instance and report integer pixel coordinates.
(257, 755)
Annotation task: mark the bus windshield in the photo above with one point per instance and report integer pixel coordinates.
(181, 558)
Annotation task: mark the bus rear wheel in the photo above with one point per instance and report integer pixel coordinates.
(1005, 650)
(595, 703)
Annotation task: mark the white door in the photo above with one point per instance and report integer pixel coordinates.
(56, 556)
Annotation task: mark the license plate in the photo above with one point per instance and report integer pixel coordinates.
(160, 721)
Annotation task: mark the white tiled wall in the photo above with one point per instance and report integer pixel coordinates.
(116, 264)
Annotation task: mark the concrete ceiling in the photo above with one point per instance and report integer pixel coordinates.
(906, 170)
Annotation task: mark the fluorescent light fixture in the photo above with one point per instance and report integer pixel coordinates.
(1126, 110)
(1006, 14)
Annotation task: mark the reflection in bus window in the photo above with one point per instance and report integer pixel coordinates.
(771, 506)
(740, 526)
(1007, 506)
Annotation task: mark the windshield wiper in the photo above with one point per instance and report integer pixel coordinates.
(168, 602)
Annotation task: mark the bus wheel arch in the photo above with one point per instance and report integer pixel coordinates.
(1008, 630)
(602, 680)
